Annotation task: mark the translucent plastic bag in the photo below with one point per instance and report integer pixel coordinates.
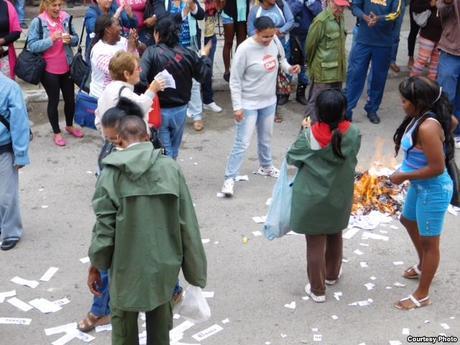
(279, 214)
(194, 306)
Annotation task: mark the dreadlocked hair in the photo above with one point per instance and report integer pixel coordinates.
(103, 22)
(429, 101)
(331, 106)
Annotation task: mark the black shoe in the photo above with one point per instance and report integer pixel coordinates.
(227, 77)
(300, 94)
(374, 118)
(9, 244)
(282, 99)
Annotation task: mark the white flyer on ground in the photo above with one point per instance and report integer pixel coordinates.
(30, 283)
(60, 329)
(49, 274)
(167, 77)
(207, 332)
(19, 304)
(44, 305)
(14, 321)
(7, 294)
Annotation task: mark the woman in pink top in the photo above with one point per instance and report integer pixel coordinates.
(54, 40)
(10, 31)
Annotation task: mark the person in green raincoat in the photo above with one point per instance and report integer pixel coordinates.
(146, 231)
(322, 193)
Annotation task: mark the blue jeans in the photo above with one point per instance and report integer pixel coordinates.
(361, 56)
(397, 32)
(449, 79)
(195, 105)
(263, 120)
(302, 76)
(208, 94)
(426, 203)
(21, 9)
(101, 305)
(172, 129)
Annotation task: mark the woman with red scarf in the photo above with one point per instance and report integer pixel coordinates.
(10, 30)
(322, 192)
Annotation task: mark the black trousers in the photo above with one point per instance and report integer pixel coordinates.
(412, 38)
(53, 83)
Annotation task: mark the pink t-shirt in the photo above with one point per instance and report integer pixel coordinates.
(55, 57)
(138, 7)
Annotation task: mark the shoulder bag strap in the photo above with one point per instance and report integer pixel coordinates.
(121, 90)
(81, 36)
(40, 32)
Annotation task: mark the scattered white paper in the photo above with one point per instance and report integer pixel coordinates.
(388, 287)
(358, 252)
(395, 342)
(345, 260)
(65, 339)
(369, 235)
(452, 317)
(315, 329)
(363, 264)
(398, 284)
(334, 317)
(305, 298)
(85, 337)
(220, 195)
(242, 178)
(7, 294)
(283, 335)
(445, 326)
(291, 305)
(337, 295)
(180, 329)
(104, 328)
(49, 274)
(224, 321)
(44, 206)
(62, 301)
(89, 172)
(208, 294)
(426, 321)
(364, 244)
(195, 163)
(362, 303)
(398, 263)
(268, 202)
(369, 286)
(259, 220)
(216, 242)
(84, 260)
(405, 331)
(369, 221)
(372, 278)
(176, 316)
(30, 283)
(206, 333)
(15, 321)
(168, 79)
(257, 233)
(205, 240)
(60, 329)
(41, 189)
(350, 233)
(16, 302)
(453, 210)
(317, 337)
(44, 305)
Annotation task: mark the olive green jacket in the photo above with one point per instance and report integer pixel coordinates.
(146, 229)
(322, 193)
(325, 49)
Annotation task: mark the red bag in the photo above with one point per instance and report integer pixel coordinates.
(155, 113)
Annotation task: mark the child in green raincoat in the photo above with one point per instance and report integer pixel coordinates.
(322, 193)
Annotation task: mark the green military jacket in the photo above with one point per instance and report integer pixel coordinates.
(325, 49)
(146, 229)
(322, 193)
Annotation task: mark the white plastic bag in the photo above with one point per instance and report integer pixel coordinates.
(194, 306)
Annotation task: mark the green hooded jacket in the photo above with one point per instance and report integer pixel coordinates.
(325, 49)
(146, 229)
(322, 193)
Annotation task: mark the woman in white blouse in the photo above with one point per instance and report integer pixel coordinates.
(125, 73)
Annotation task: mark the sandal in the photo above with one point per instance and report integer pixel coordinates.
(412, 272)
(91, 321)
(414, 303)
(278, 118)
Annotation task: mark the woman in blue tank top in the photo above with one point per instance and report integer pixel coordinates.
(425, 136)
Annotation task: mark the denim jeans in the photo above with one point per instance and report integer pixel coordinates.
(262, 119)
(361, 56)
(449, 79)
(195, 105)
(172, 129)
(397, 32)
(21, 9)
(101, 305)
(208, 94)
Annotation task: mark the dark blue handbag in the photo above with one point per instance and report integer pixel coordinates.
(85, 105)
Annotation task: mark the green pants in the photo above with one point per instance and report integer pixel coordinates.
(158, 324)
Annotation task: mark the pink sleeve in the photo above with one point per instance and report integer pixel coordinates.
(14, 19)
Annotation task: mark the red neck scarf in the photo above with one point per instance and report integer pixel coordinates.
(323, 134)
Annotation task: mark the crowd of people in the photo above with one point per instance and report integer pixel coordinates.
(129, 46)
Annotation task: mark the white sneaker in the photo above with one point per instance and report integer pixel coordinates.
(333, 282)
(272, 172)
(317, 299)
(457, 142)
(213, 107)
(227, 188)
